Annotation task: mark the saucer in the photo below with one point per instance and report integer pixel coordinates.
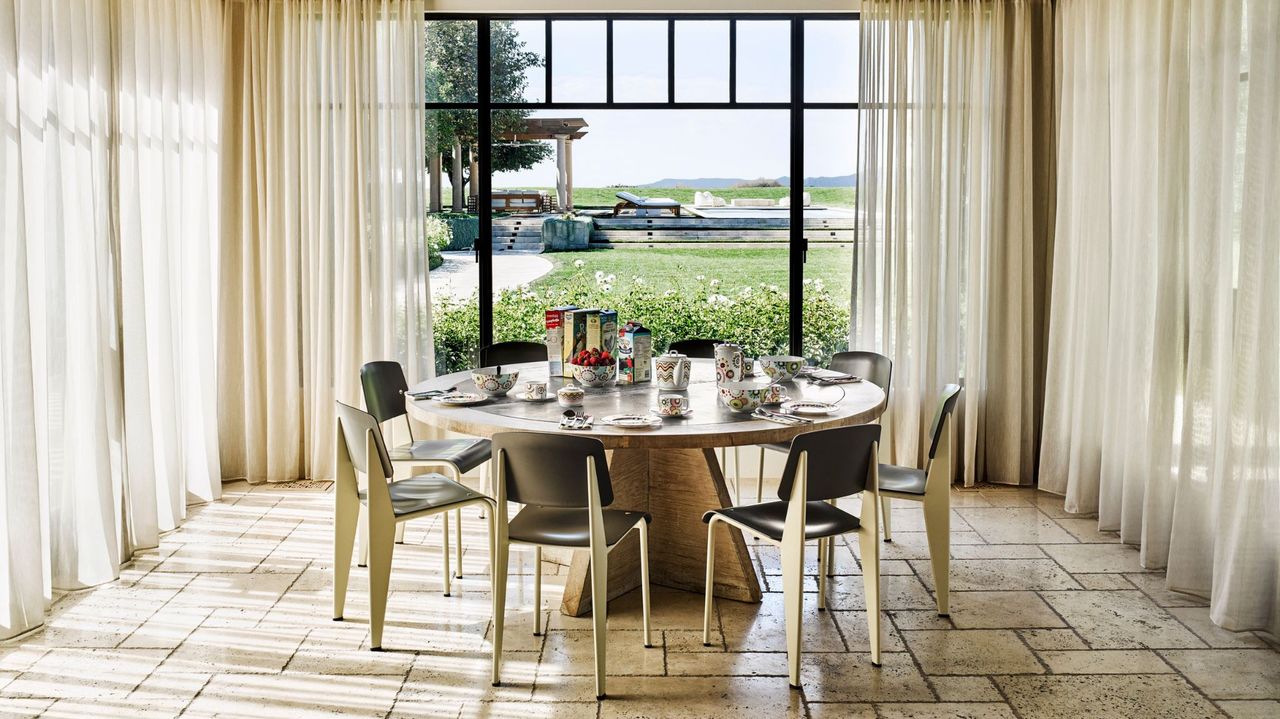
(681, 415)
(526, 398)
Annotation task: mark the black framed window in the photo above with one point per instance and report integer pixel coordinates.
(774, 62)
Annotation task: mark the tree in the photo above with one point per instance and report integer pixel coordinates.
(451, 77)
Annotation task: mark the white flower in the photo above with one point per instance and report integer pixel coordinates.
(700, 278)
(808, 280)
(817, 285)
(611, 278)
(715, 283)
(639, 280)
(773, 288)
(599, 275)
(608, 288)
(579, 263)
(668, 293)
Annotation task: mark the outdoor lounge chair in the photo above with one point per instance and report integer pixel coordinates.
(636, 202)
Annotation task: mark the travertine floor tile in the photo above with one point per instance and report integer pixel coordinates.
(852, 678)
(1086, 530)
(86, 673)
(700, 698)
(572, 652)
(978, 575)
(973, 651)
(978, 710)
(1251, 709)
(1120, 620)
(1230, 673)
(965, 689)
(1052, 639)
(1004, 610)
(838, 710)
(1114, 558)
(1153, 585)
(1138, 696)
(294, 695)
(1014, 525)
(1197, 620)
(1105, 661)
(742, 664)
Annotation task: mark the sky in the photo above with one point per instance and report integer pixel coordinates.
(641, 146)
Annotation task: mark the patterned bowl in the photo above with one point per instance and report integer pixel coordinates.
(594, 376)
(743, 397)
(781, 368)
(491, 382)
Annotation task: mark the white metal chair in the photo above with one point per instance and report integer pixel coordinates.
(564, 484)
(388, 505)
(932, 487)
(821, 467)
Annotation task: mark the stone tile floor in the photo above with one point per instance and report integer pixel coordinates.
(230, 617)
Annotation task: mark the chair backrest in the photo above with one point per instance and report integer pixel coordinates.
(550, 470)
(630, 197)
(946, 405)
(839, 460)
(871, 366)
(384, 387)
(511, 353)
(356, 425)
(700, 349)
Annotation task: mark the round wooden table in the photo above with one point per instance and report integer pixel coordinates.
(671, 472)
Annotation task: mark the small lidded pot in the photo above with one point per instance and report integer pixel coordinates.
(570, 396)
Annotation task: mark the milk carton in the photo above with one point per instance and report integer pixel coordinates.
(555, 322)
(602, 331)
(635, 350)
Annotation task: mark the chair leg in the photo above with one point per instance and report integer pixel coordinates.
(711, 581)
(600, 611)
(824, 551)
(886, 515)
(444, 553)
(498, 574)
(871, 587)
(381, 545)
(937, 527)
(345, 518)
(400, 532)
(362, 536)
(486, 485)
(457, 535)
(644, 581)
(760, 479)
(793, 601)
(537, 590)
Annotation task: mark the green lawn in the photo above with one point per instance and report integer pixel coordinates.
(586, 197)
(676, 267)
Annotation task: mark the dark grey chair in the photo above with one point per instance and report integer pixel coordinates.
(385, 506)
(697, 348)
(822, 467)
(932, 487)
(384, 394)
(511, 353)
(563, 483)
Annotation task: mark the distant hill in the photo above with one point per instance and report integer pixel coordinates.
(708, 183)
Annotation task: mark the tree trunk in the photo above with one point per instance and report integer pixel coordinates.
(437, 192)
(455, 180)
(474, 185)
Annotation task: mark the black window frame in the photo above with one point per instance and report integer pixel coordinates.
(795, 106)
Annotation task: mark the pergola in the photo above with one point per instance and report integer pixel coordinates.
(564, 130)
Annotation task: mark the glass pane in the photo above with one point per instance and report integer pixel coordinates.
(702, 61)
(640, 61)
(450, 52)
(764, 61)
(578, 61)
(830, 166)
(831, 60)
(518, 60)
(451, 229)
(718, 271)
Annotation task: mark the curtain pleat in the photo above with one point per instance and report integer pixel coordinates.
(951, 266)
(106, 371)
(1162, 410)
(322, 222)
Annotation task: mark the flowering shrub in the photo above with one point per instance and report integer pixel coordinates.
(438, 235)
(754, 316)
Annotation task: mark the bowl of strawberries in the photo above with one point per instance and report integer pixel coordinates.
(594, 367)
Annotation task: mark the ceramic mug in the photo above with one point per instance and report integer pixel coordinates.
(535, 390)
(730, 363)
(776, 394)
(672, 405)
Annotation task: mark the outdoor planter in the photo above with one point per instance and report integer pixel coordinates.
(565, 234)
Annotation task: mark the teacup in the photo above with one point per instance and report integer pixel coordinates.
(743, 396)
(672, 405)
(781, 368)
(535, 390)
(776, 394)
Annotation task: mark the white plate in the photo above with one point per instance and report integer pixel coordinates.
(461, 399)
(632, 421)
(682, 415)
(809, 407)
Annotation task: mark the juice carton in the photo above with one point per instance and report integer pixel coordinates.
(555, 339)
(635, 350)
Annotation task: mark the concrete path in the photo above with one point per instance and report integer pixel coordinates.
(459, 276)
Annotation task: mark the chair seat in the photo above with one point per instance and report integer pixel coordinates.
(906, 480)
(465, 454)
(570, 527)
(423, 492)
(769, 519)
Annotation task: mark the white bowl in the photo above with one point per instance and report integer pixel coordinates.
(594, 376)
(781, 368)
(745, 397)
(489, 381)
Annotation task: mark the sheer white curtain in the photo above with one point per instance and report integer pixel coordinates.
(105, 371)
(324, 264)
(1162, 409)
(950, 264)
